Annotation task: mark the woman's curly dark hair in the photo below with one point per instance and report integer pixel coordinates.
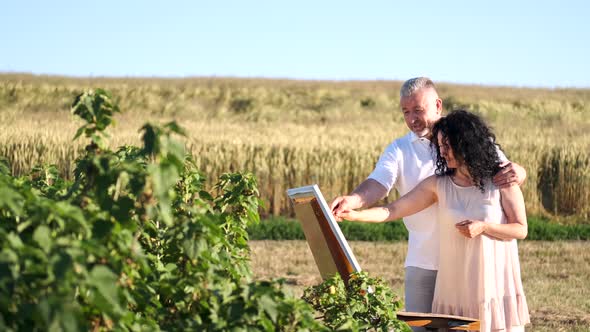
(472, 142)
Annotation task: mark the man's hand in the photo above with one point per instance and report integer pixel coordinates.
(471, 228)
(343, 203)
(510, 174)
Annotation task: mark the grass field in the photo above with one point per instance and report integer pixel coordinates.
(556, 275)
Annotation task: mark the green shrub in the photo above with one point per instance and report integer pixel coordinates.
(276, 229)
(363, 303)
(391, 231)
(368, 102)
(134, 243)
(242, 105)
(544, 230)
(288, 229)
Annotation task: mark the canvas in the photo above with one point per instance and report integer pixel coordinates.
(328, 246)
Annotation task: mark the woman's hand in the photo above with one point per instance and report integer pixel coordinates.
(471, 228)
(350, 215)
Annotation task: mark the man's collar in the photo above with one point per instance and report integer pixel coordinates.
(413, 137)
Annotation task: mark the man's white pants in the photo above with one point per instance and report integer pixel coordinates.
(419, 291)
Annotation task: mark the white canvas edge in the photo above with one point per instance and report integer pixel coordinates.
(315, 190)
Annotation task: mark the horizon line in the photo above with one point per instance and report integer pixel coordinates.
(286, 78)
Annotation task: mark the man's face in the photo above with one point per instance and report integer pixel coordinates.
(421, 110)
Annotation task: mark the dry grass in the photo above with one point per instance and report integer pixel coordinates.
(556, 275)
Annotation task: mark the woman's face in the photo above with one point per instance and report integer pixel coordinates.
(447, 152)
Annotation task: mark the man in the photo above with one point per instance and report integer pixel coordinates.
(405, 163)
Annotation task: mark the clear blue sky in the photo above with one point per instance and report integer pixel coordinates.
(522, 43)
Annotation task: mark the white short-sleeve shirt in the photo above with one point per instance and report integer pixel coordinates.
(405, 163)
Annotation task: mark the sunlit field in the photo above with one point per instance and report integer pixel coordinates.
(294, 133)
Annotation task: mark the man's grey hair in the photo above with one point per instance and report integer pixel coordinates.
(414, 84)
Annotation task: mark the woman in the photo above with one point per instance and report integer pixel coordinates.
(479, 271)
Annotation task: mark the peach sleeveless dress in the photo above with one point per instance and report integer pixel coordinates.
(477, 277)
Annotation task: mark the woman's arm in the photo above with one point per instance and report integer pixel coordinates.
(366, 194)
(513, 205)
(421, 197)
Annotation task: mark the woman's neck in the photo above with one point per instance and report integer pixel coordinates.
(462, 177)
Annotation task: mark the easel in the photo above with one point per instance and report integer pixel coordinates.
(333, 255)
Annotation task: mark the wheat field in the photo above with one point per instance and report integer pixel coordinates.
(294, 133)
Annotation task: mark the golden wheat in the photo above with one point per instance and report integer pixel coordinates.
(294, 133)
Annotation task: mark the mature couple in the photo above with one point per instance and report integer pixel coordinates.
(462, 206)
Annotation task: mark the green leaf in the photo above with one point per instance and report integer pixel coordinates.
(175, 128)
(23, 225)
(14, 240)
(105, 282)
(42, 236)
(10, 199)
(68, 321)
(4, 166)
(79, 132)
(166, 211)
(269, 306)
(205, 195)
(8, 256)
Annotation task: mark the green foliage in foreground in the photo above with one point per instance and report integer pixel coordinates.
(135, 243)
(286, 229)
(364, 303)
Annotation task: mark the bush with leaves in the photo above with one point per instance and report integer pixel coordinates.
(134, 243)
(364, 303)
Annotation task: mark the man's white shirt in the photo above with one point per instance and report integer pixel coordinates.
(405, 163)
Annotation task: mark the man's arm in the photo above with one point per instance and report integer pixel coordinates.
(366, 194)
(375, 187)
